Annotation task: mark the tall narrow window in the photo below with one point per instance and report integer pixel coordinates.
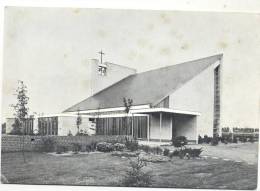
(216, 101)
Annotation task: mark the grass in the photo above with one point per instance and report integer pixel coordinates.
(103, 169)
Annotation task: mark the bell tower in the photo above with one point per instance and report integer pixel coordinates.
(102, 67)
(104, 74)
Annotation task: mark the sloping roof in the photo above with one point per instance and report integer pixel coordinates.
(147, 87)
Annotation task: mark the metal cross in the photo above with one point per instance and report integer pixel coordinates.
(101, 55)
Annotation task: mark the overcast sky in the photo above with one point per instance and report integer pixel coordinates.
(49, 49)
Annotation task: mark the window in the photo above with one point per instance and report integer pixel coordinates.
(92, 120)
(102, 70)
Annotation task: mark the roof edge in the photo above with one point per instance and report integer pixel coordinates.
(217, 55)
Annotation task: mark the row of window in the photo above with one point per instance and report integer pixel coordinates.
(48, 125)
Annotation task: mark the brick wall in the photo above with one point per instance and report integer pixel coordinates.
(13, 143)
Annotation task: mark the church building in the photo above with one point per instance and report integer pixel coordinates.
(177, 100)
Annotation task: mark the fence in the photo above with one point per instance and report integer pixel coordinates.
(14, 143)
(241, 133)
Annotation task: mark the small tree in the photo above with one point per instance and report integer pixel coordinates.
(127, 104)
(78, 120)
(21, 111)
(135, 176)
(20, 108)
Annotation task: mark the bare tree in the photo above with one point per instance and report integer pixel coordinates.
(78, 120)
(127, 104)
(21, 111)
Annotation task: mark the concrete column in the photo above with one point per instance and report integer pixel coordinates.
(160, 126)
(132, 125)
(148, 128)
(171, 125)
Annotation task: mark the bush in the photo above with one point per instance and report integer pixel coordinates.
(189, 152)
(16, 130)
(136, 177)
(131, 145)
(76, 147)
(179, 141)
(105, 147)
(207, 139)
(174, 153)
(61, 149)
(119, 146)
(69, 133)
(242, 139)
(200, 140)
(166, 152)
(48, 144)
(156, 150)
(214, 141)
(145, 148)
(235, 140)
(251, 140)
(92, 146)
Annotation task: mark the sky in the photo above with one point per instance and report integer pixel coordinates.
(49, 49)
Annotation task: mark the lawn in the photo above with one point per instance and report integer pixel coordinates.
(107, 170)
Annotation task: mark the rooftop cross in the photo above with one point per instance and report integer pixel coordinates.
(101, 55)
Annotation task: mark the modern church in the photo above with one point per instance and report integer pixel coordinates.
(177, 100)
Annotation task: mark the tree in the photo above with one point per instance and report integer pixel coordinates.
(16, 130)
(128, 104)
(20, 108)
(21, 111)
(78, 120)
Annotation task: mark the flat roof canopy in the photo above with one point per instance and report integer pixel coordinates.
(164, 110)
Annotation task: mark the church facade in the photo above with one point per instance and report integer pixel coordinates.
(177, 100)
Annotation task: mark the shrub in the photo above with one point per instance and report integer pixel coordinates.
(105, 147)
(214, 141)
(61, 149)
(91, 147)
(243, 139)
(166, 152)
(16, 130)
(174, 153)
(156, 150)
(190, 152)
(76, 147)
(69, 133)
(136, 177)
(48, 144)
(145, 148)
(200, 140)
(119, 147)
(251, 140)
(179, 141)
(207, 139)
(131, 145)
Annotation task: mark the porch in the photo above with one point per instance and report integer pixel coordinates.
(164, 124)
(150, 125)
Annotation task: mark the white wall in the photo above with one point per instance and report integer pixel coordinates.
(114, 74)
(66, 124)
(185, 125)
(9, 123)
(166, 130)
(198, 95)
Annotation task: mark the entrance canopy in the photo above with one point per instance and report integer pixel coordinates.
(163, 110)
(167, 127)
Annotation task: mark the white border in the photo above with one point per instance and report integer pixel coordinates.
(252, 6)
